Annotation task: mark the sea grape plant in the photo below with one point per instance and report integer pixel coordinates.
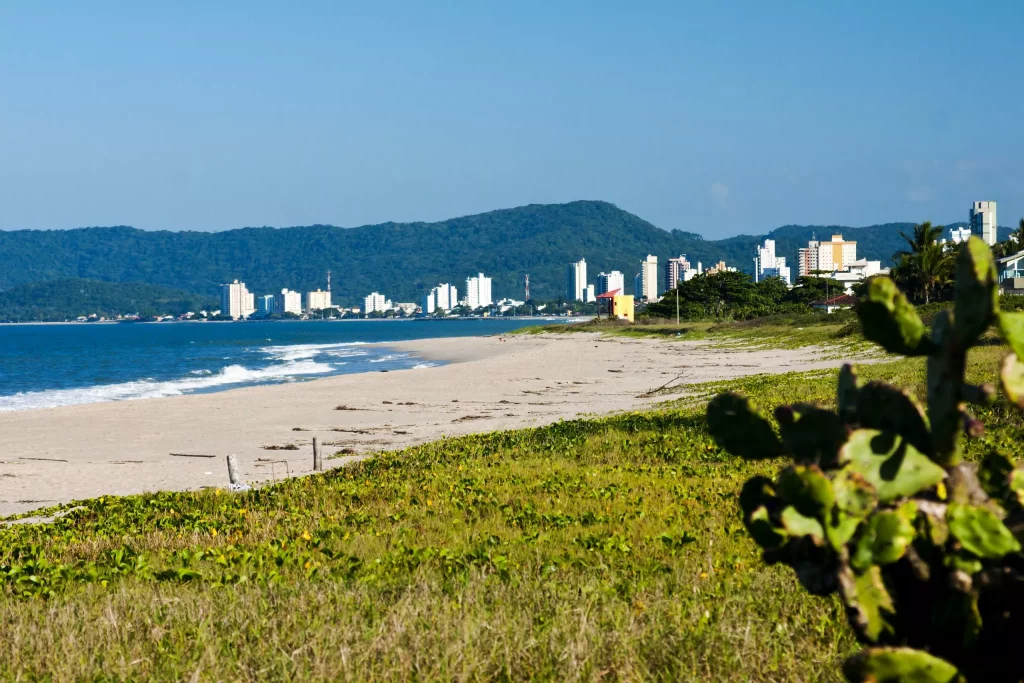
(878, 505)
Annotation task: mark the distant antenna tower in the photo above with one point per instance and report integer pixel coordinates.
(328, 280)
(527, 286)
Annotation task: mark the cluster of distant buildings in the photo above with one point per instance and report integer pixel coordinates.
(238, 302)
(645, 282)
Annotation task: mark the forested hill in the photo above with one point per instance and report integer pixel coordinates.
(402, 261)
(69, 298)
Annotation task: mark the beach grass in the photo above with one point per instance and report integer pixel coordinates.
(839, 331)
(592, 549)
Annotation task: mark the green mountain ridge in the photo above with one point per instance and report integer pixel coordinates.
(67, 298)
(402, 261)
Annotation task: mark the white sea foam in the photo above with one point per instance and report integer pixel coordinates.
(389, 357)
(294, 352)
(150, 388)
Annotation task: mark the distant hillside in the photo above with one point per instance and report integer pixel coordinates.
(68, 298)
(402, 261)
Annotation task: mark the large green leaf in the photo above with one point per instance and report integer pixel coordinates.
(1011, 376)
(812, 434)
(741, 428)
(798, 525)
(846, 392)
(891, 321)
(807, 489)
(757, 500)
(855, 498)
(868, 602)
(1011, 326)
(979, 531)
(885, 537)
(884, 407)
(945, 379)
(976, 297)
(898, 665)
(891, 465)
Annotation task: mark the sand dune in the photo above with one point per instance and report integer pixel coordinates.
(490, 383)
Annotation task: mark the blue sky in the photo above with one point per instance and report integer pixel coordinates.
(717, 118)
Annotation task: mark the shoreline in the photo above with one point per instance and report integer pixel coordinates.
(55, 455)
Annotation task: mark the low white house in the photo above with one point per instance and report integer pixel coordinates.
(1011, 273)
(856, 271)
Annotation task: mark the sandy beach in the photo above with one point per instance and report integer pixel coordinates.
(55, 455)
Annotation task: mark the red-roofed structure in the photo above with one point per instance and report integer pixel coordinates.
(835, 303)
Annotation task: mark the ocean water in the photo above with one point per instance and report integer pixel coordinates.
(44, 366)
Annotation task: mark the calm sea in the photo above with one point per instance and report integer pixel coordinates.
(43, 366)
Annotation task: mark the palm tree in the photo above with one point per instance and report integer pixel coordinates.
(1013, 244)
(1017, 236)
(927, 266)
(934, 266)
(925, 235)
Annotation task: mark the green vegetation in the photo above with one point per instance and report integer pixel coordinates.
(67, 299)
(735, 296)
(794, 330)
(588, 549)
(880, 506)
(405, 260)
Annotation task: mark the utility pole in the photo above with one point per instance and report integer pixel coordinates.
(677, 303)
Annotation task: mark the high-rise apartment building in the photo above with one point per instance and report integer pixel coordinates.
(318, 300)
(375, 303)
(674, 271)
(236, 301)
(478, 291)
(265, 305)
(445, 298)
(836, 254)
(767, 264)
(647, 279)
(576, 280)
(609, 282)
(288, 302)
(983, 221)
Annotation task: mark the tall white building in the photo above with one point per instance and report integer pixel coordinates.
(589, 296)
(237, 301)
(674, 270)
(444, 297)
(983, 221)
(318, 300)
(647, 279)
(609, 282)
(576, 280)
(478, 291)
(288, 302)
(376, 302)
(767, 264)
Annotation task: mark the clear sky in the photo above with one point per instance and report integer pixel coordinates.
(713, 117)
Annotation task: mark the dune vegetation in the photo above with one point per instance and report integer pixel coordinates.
(609, 548)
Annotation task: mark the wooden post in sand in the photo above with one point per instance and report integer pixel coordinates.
(318, 463)
(233, 471)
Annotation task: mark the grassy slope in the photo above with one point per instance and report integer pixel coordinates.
(591, 549)
(784, 331)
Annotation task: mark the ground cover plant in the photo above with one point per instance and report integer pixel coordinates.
(880, 506)
(589, 549)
